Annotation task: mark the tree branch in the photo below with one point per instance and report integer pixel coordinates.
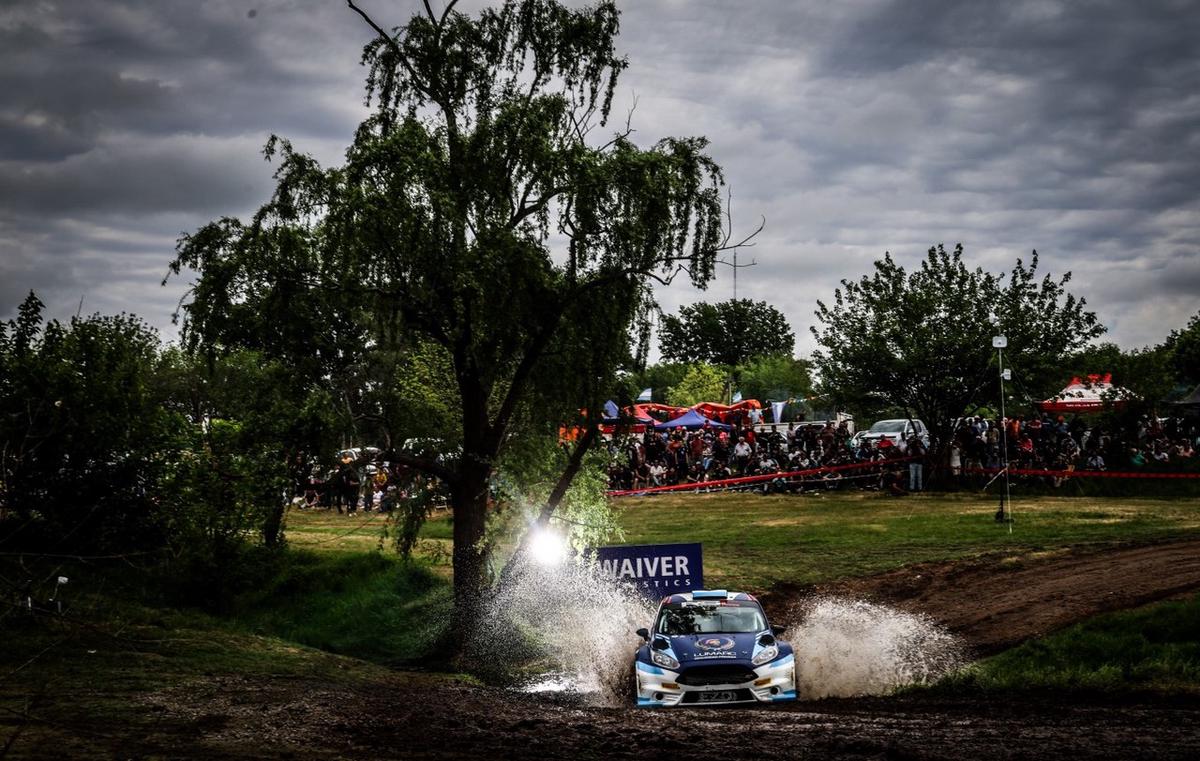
(568, 475)
(395, 46)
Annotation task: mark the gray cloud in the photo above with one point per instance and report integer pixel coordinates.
(854, 127)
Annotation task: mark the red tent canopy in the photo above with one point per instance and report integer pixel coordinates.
(1087, 395)
(721, 411)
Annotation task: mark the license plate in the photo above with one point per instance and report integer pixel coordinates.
(716, 697)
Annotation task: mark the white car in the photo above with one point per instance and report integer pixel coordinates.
(897, 431)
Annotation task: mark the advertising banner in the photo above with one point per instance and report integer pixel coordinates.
(656, 569)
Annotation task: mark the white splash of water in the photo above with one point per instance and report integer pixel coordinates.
(581, 621)
(847, 648)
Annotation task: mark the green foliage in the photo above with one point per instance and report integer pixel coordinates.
(659, 378)
(84, 440)
(425, 397)
(729, 333)
(922, 341)
(776, 378)
(1154, 648)
(1184, 346)
(252, 430)
(701, 383)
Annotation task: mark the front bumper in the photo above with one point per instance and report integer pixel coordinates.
(773, 682)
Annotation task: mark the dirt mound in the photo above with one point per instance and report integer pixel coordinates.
(995, 602)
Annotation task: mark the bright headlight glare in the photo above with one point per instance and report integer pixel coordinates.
(548, 547)
(664, 660)
(767, 655)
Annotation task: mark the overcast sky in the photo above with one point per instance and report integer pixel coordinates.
(854, 127)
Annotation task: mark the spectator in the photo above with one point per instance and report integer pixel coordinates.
(916, 450)
(741, 454)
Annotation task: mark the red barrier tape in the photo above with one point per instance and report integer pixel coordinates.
(757, 479)
(1080, 473)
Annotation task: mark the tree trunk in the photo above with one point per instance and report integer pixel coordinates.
(272, 531)
(469, 500)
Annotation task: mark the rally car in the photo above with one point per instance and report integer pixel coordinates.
(710, 647)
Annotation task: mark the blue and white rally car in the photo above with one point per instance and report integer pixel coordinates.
(710, 647)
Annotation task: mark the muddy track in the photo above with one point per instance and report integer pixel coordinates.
(996, 602)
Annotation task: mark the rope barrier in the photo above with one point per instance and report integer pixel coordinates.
(745, 481)
(749, 480)
(1080, 473)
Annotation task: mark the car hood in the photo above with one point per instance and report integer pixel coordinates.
(714, 648)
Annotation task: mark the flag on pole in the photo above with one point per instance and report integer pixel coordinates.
(737, 396)
(610, 409)
(777, 411)
(645, 396)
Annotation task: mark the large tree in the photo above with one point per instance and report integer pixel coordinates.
(440, 229)
(922, 340)
(728, 333)
(1184, 347)
(83, 440)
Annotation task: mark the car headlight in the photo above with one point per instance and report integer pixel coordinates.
(662, 659)
(767, 655)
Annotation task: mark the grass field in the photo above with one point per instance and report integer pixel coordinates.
(755, 541)
(1151, 649)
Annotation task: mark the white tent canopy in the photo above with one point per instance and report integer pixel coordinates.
(1089, 394)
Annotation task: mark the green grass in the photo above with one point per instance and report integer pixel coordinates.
(1151, 649)
(369, 605)
(753, 541)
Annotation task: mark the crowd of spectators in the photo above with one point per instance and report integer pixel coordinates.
(1045, 442)
(680, 456)
(1035, 442)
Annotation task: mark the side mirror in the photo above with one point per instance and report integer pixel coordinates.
(777, 630)
(644, 633)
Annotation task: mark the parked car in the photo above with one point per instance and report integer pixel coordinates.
(897, 431)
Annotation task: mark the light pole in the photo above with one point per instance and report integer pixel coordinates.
(1004, 514)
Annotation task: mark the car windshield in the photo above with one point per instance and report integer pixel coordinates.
(888, 426)
(729, 617)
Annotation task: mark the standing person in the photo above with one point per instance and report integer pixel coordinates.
(680, 463)
(916, 450)
(741, 454)
(350, 489)
(338, 484)
(955, 460)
